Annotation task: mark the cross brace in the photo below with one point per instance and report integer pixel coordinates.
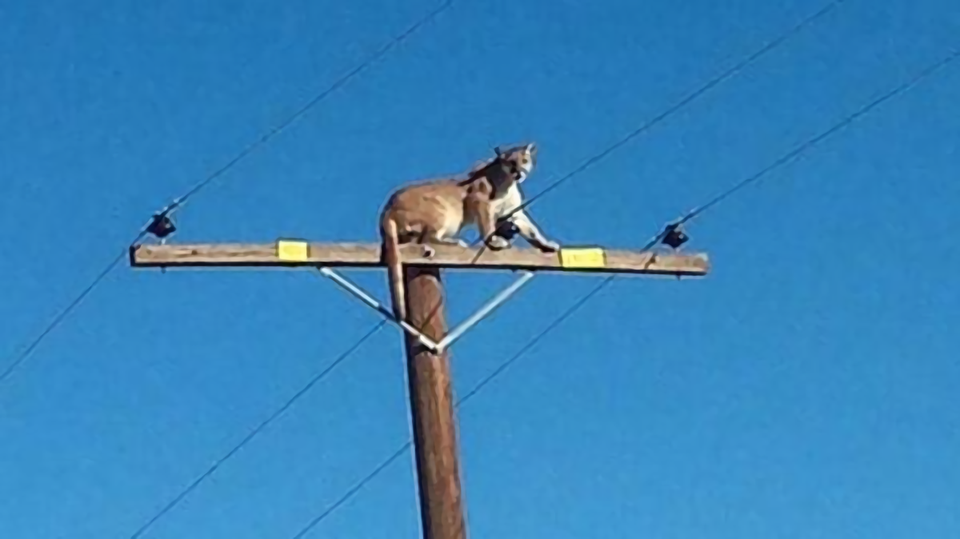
(454, 334)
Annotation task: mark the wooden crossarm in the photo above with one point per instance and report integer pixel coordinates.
(367, 255)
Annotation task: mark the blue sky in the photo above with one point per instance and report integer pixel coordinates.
(806, 388)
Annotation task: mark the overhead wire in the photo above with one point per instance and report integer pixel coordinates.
(566, 314)
(466, 396)
(930, 70)
(713, 82)
(673, 109)
(377, 55)
(19, 358)
(691, 97)
(255, 431)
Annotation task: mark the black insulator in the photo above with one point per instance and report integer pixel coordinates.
(674, 237)
(161, 226)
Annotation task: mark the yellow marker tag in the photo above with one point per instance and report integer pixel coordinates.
(592, 257)
(292, 251)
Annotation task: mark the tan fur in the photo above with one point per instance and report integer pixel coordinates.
(436, 211)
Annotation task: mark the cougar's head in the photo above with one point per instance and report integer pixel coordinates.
(521, 160)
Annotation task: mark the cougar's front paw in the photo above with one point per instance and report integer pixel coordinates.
(497, 243)
(548, 246)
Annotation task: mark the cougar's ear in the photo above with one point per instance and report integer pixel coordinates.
(498, 151)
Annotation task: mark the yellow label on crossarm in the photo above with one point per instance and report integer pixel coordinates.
(292, 251)
(592, 257)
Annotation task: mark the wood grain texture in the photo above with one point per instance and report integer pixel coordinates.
(367, 255)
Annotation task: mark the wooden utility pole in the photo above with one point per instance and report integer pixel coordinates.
(425, 333)
(431, 408)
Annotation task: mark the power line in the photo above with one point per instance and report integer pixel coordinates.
(669, 111)
(788, 157)
(353, 490)
(736, 68)
(467, 396)
(377, 55)
(817, 139)
(255, 431)
(673, 109)
(18, 359)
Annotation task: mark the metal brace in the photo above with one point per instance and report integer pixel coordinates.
(453, 335)
(363, 296)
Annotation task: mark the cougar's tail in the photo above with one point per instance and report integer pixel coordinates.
(391, 257)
